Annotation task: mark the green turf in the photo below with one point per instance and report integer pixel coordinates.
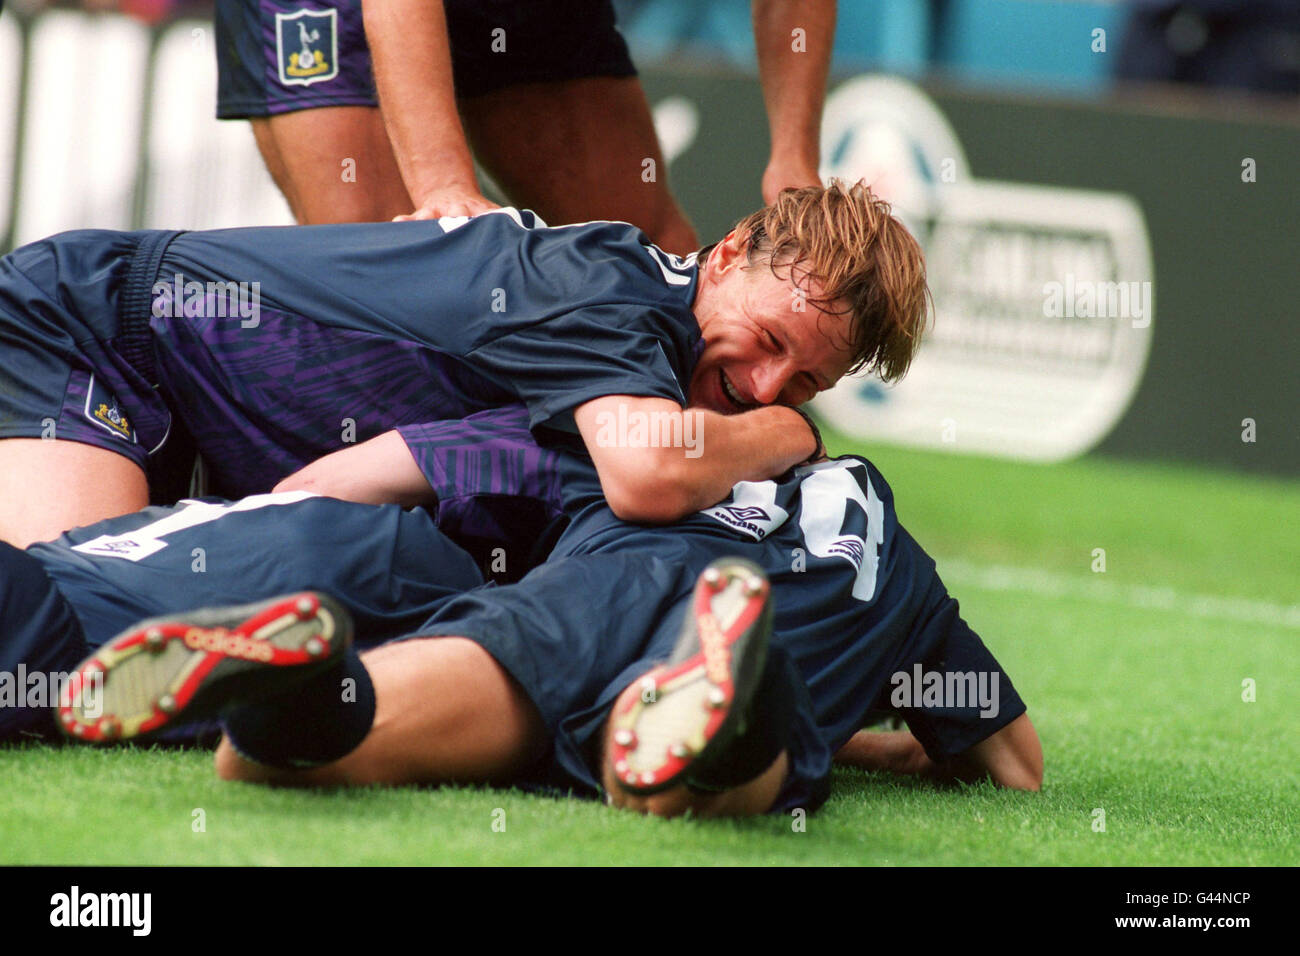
(1137, 700)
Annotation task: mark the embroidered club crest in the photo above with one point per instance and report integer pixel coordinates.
(102, 409)
(307, 46)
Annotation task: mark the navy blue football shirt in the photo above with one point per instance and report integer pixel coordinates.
(361, 328)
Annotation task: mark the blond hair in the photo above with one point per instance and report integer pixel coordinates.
(846, 239)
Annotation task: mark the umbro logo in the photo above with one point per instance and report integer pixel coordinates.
(119, 546)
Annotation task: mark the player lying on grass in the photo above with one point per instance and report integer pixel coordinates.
(272, 347)
(60, 600)
(543, 681)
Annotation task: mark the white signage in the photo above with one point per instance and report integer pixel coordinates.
(1044, 296)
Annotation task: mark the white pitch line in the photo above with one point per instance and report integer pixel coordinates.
(1002, 577)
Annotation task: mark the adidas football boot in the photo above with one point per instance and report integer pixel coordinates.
(188, 666)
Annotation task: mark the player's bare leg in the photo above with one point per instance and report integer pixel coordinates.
(575, 150)
(446, 711)
(333, 164)
(48, 487)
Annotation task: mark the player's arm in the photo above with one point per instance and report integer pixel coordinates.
(794, 85)
(658, 485)
(1012, 757)
(893, 751)
(375, 472)
(411, 54)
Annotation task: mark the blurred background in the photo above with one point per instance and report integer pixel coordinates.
(1107, 192)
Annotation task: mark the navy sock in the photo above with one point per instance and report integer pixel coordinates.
(316, 722)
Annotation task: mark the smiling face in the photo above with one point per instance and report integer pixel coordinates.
(766, 339)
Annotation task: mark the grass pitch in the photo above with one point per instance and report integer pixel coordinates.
(1133, 676)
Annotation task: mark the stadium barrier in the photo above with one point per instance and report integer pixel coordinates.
(1117, 276)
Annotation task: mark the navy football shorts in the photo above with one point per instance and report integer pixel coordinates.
(575, 632)
(76, 351)
(279, 56)
(40, 637)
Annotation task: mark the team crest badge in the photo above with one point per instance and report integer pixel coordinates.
(307, 46)
(103, 410)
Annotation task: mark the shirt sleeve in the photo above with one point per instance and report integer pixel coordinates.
(498, 492)
(556, 365)
(489, 453)
(961, 659)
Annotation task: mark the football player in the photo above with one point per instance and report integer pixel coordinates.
(273, 347)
